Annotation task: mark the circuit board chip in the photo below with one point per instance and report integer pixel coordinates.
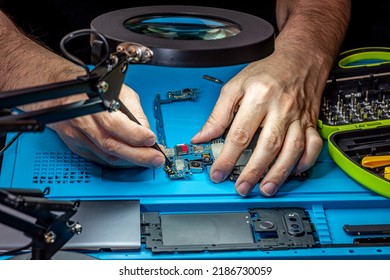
(181, 149)
(216, 148)
(179, 164)
(195, 166)
(169, 152)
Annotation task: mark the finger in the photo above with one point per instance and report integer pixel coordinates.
(244, 126)
(119, 126)
(132, 101)
(221, 116)
(117, 153)
(289, 155)
(79, 144)
(112, 151)
(139, 156)
(268, 146)
(313, 148)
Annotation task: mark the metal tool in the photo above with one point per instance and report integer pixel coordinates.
(367, 229)
(212, 79)
(168, 164)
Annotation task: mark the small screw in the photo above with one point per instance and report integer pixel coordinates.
(114, 106)
(212, 79)
(148, 55)
(124, 67)
(76, 228)
(50, 237)
(102, 87)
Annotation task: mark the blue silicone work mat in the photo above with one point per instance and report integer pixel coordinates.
(332, 198)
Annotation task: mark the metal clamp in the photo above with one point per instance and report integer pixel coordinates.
(135, 53)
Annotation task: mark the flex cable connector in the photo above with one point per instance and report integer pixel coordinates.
(169, 169)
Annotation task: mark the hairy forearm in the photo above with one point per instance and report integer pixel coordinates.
(25, 63)
(312, 29)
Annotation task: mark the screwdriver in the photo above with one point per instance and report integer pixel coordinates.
(376, 161)
(168, 164)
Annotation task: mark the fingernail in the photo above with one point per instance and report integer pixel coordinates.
(269, 189)
(158, 162)
(244, 189)
(217, 176)
(150, 141)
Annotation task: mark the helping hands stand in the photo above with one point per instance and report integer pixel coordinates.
(50, 231)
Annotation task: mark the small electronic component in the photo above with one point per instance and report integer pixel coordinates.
(206, 158)
(181, 149)
(216, 147)
(179, 164)
(195, 166)
(169, 152)
(190, 158)
(169, 171)
(197, 148)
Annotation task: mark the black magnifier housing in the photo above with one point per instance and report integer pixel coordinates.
(190, 36)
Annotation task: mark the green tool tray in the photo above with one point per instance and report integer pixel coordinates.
(348, 148)
(357, 93)
(355, 114)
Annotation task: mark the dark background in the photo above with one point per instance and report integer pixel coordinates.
(49, 20)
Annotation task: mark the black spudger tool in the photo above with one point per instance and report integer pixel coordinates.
(168, 164)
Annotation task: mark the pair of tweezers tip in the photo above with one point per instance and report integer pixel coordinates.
(168, 164)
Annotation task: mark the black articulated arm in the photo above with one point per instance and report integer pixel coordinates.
(50, 231)
(102, 85)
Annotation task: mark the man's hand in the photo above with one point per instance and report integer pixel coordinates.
(281, 94)
(112, 138)
(267, 94)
